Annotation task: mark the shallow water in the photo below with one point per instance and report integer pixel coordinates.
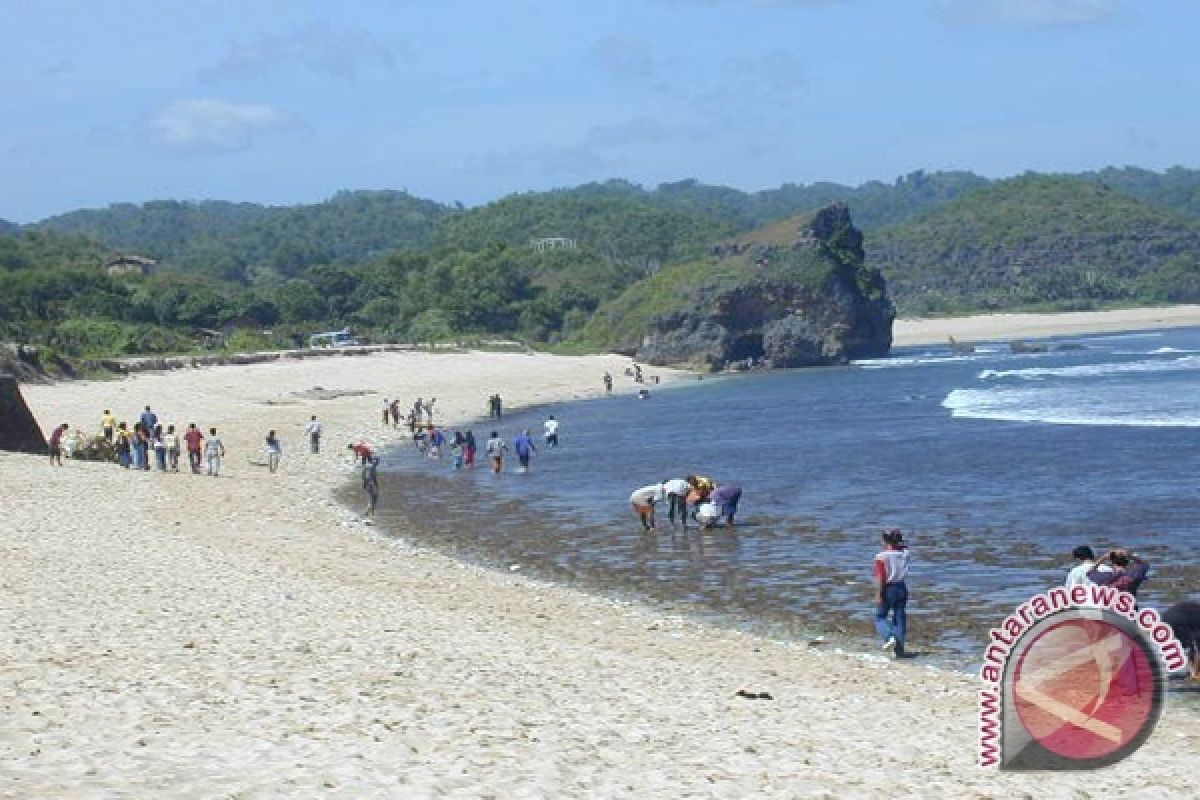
(996, 465)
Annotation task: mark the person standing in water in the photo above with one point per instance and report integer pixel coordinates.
(523, 444)
(469, 448)
(495, 448)
(891, 591)
(726, 497)
(551, 428)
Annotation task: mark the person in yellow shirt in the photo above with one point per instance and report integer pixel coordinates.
(109, 423)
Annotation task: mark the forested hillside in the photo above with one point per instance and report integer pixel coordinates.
(393, 266)
(1039, 240)
(233, 240)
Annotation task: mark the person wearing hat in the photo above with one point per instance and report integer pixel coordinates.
(891, 595)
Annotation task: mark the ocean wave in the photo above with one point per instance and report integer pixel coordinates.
(1079, 406)
(910, 361)
(1095, 370)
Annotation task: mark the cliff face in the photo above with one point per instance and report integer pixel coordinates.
(793, 295)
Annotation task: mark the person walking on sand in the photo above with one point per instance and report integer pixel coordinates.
(56, 443)
(149, 420)
(124, 445)
(160, 449)
(608, 383)
(643, 501)
(523, 445)
(143, 446)
(313, 429)
(214, 450)
(274, 451)
(550, 426)
(387, 411)
(394, 411)
(108, 424)
(495, 448)
(172, 441)
(195, 446)
(891, 591)
(370, 484)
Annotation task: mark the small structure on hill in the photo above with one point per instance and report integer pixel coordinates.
(131, 265)
(552, 243)
(19, 431)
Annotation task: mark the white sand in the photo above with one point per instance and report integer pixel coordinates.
(178, 636)
(992, 327)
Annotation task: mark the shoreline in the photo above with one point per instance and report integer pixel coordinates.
(907, 331)
(179, 635)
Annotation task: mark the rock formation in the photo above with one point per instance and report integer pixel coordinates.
(19, 431)
(804, 301)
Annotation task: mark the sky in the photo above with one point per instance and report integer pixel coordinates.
(289, 101)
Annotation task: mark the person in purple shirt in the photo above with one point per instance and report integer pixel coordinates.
(726, 497)
(523, 445)
(1127, 571)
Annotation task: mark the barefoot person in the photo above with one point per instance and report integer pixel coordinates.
(56, 444)
(726, 497)
(313, 429)
(524, 447)
(495, 448)
(891, 594)
(214, 451)
(643, 501)
(370, 483)
(677, 491)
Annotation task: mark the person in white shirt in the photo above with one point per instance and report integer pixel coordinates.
(313, 429)
(1078, 576)
(891, 591)
(643, 501)
(551, 428)
(677, 491)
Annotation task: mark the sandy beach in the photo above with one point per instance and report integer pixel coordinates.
(180, 636)
(993, 327)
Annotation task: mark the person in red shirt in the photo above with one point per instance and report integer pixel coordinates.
(56, 444)
(195, 447)
(364, 452)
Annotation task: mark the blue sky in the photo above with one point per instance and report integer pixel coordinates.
(287, 101)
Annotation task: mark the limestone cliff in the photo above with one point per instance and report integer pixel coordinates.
(796, 294)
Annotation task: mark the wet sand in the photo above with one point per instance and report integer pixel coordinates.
(249, 636)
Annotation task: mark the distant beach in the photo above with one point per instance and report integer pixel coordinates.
(993, 327)
(182, 636)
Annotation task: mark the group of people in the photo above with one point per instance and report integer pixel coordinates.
(148, 442)
(710, 502)
(1119, 568)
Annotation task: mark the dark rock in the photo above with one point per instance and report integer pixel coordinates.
(814, 302)
(19, 431)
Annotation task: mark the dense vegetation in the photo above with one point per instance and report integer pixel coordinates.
(1036, 240)
(398, 267)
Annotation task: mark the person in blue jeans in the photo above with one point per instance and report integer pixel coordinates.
(891, 595)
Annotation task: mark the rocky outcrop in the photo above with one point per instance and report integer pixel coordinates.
(19, 431)
(809, 301)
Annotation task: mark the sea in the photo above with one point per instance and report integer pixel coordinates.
(995, 464)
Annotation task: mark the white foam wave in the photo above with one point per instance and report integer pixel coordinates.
(1095, 370)
(909, 361)
(1076, 406)
(1121, 336)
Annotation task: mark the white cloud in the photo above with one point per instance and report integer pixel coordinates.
(1028, 13)
(208, 125)
(339, 53)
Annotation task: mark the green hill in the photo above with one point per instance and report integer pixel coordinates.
(1037, 240)
(1176, 188)
(241, 240)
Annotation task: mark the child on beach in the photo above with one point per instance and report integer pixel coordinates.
(891, 595)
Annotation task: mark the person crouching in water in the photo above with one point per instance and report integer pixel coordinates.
(891, 595)
(643, 501)
(726, 497)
